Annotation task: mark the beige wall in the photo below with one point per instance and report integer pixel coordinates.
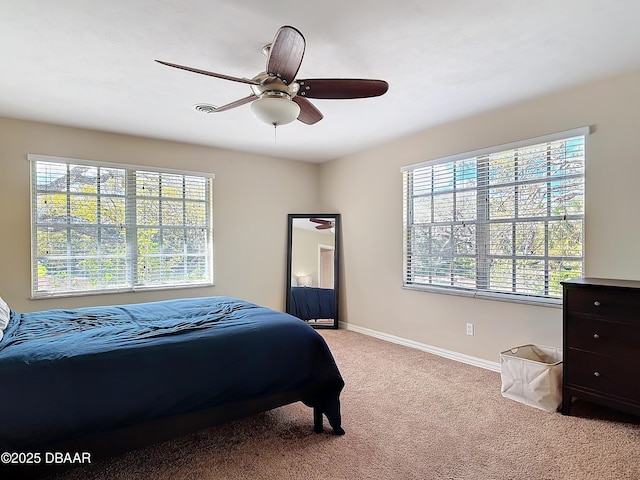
(252, 197)
(366, 189)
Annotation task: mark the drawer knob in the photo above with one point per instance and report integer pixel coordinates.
(596, 374)
(596, 336)
(596, 303)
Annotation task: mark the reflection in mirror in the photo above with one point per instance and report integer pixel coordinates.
(312, 266)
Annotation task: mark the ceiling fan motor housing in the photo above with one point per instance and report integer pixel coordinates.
(269, 85)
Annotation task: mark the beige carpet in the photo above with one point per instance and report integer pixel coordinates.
(408, 415)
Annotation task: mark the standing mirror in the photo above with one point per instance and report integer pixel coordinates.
(313, 268)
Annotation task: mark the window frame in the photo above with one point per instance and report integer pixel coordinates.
(131, 199)
(481, 249)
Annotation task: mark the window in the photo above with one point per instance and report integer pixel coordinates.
(507, 220)
(108, 227)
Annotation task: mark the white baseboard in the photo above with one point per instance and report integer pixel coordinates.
(459, 357)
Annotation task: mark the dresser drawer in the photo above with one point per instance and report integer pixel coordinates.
(607, 303)
(613, 376)
(603, 337)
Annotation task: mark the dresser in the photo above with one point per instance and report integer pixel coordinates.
(601, 343)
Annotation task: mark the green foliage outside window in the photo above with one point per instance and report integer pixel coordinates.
(103, 228)
(506, 222)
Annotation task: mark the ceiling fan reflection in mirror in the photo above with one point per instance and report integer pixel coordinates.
(277, 97)
(323, 223)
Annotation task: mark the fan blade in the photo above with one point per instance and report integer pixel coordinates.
(285, 54)
(342, 88)
(235, 104)
(211, 74)
(324, 224)
(308, 113)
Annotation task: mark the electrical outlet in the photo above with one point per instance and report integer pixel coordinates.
(469, 328)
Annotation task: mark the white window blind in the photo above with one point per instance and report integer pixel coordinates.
(507, 220)
(107, 227)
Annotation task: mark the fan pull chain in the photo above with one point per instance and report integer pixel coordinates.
(275, 136)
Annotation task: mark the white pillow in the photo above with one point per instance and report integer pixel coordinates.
(5, 314)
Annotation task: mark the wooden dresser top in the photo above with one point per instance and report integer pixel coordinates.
(604, 282)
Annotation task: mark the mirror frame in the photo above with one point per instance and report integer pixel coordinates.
(336, 264)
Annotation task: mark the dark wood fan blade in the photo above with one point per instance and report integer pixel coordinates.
(285, 54)
(211, 74)
(324, 224)
(235, 104)
(342, 88)
(308, 113)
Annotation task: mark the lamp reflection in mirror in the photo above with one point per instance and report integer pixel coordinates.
(275, 110)
(304, 281)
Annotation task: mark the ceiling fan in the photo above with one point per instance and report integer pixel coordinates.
(277, 97)
(323, 224)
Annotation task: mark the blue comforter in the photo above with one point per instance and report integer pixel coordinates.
(65, 373)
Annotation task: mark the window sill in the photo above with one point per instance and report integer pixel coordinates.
(46, 296)
(501, 297)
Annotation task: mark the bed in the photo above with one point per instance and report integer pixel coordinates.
(311, 303)
(114, 378)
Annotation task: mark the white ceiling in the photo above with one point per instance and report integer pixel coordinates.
(89, 63)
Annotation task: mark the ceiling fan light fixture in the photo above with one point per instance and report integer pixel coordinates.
(275, 110)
